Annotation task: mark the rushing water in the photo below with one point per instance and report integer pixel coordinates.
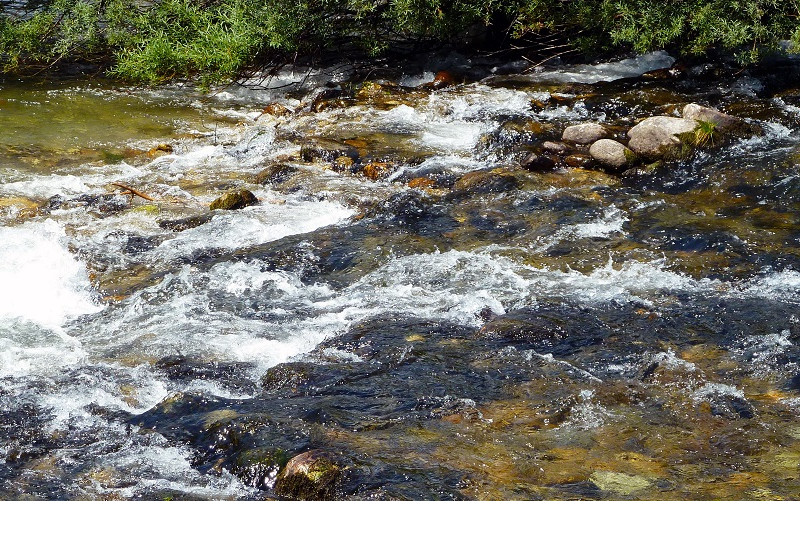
(565, 335)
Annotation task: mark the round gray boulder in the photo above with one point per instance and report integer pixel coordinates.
(612, 154)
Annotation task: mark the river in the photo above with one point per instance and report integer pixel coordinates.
(572, 334)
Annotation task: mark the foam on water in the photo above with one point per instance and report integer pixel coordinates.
(590, 74)
(40, 280)
(255, 225)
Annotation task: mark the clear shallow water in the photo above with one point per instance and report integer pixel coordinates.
(564, 335)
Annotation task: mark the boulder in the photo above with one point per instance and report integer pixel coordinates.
(234, 200)
(612, 154)
(722, 122)
(312, 475)
(660, 136)
(584, 134)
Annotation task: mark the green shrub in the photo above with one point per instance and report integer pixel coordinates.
(216, 40)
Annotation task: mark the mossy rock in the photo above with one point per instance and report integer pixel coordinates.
(234, 200)
(312, 475)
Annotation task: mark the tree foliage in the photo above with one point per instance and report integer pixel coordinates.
(158, 40)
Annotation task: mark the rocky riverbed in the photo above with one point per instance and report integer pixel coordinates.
(580, 282)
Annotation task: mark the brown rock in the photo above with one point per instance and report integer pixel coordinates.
(377, 170)
(160, 149)
(276, 109)
(442, 80)
(422, 183)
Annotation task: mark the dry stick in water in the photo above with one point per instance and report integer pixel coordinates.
(131, 191)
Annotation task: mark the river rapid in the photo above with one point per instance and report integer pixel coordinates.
(441, 325)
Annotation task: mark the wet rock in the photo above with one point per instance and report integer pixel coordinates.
(231, 374)
(159, 150)
(661, 136)
(19, 207)
(188, 222)
(343, 164)
(327, 150)
(584, 134)
(377, 170)
(286, 377)
(523, 328)
(579, 160)
(105, 204)
(276, 110)
(422, 183)
(722, 122)
(612, 154)
(259, 467)
(442, 79)
(555, 147)
(275, 174)
(514, 132)
(234, 200)
(538, 162)
(312, 475)
(370, 90)
(493, 181)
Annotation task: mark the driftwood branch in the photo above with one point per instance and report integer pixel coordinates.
(131, 191)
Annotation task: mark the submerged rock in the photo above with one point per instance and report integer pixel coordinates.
(584, 134)
(312, 475)
(188, 222)
(660, 136)
(555, 147)
(327, 150)
(538, 163)
(612, 154)
(234, 200)
(275, 174)
(482, 181)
